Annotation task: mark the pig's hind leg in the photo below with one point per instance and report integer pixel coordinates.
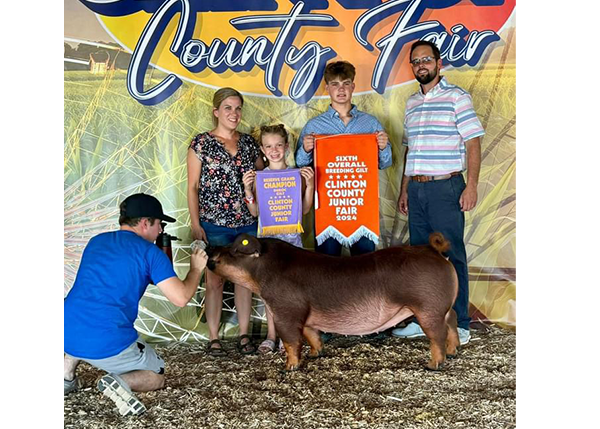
(436, 330)
(452, 341)
(314, 340)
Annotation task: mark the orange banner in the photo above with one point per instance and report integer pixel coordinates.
(347, 184)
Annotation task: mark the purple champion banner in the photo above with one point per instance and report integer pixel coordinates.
(279, 195)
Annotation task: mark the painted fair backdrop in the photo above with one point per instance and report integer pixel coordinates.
(139, 77)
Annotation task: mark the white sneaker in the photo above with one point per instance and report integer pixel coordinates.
(121, 395)
(412, 330)
(464, 336)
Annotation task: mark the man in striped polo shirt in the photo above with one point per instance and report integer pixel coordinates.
(442, 135)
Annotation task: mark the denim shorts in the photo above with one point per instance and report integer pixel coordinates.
(138, 356)
(222, 236)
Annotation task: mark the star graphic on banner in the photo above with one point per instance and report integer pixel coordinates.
(331, 177)
(354, 176)
(345, 176)
(360, 176)
(338, 176)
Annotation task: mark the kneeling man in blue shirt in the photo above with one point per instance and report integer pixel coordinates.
(101, 308)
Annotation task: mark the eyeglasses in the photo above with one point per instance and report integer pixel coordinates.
(424, 60)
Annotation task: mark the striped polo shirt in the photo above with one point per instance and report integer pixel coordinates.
(436, 127)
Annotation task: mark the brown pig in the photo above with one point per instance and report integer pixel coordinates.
(308, 292)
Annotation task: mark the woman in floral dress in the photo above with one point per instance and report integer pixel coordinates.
(216, 162)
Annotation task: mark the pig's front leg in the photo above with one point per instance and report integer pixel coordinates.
(314, 340)
(291, 335)
(293, 355)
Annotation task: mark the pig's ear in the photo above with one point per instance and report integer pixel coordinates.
(247, 245)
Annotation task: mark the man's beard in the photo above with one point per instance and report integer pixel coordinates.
(425, 79)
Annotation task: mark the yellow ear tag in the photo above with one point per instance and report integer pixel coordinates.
(245, 242)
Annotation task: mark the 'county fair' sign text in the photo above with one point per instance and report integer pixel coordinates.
(280, 48)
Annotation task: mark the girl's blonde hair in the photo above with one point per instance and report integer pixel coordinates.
(220, 96)
(278, 129)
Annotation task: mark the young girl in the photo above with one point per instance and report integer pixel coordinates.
(274, 144)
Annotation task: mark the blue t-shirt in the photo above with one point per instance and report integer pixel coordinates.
(101, 308)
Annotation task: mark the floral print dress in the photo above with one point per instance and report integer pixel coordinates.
(221, 190)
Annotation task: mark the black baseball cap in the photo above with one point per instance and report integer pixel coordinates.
(143, 205)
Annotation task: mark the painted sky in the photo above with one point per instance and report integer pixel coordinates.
(81, 23)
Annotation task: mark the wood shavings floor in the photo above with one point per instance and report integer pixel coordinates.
(369, 382)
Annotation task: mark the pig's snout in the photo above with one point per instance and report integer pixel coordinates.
(210, 250)
(213, 256)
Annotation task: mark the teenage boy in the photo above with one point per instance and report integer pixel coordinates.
(342, 117)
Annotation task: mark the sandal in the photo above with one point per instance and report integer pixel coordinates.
(215, 351)
(267, 346)
(246, 348)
